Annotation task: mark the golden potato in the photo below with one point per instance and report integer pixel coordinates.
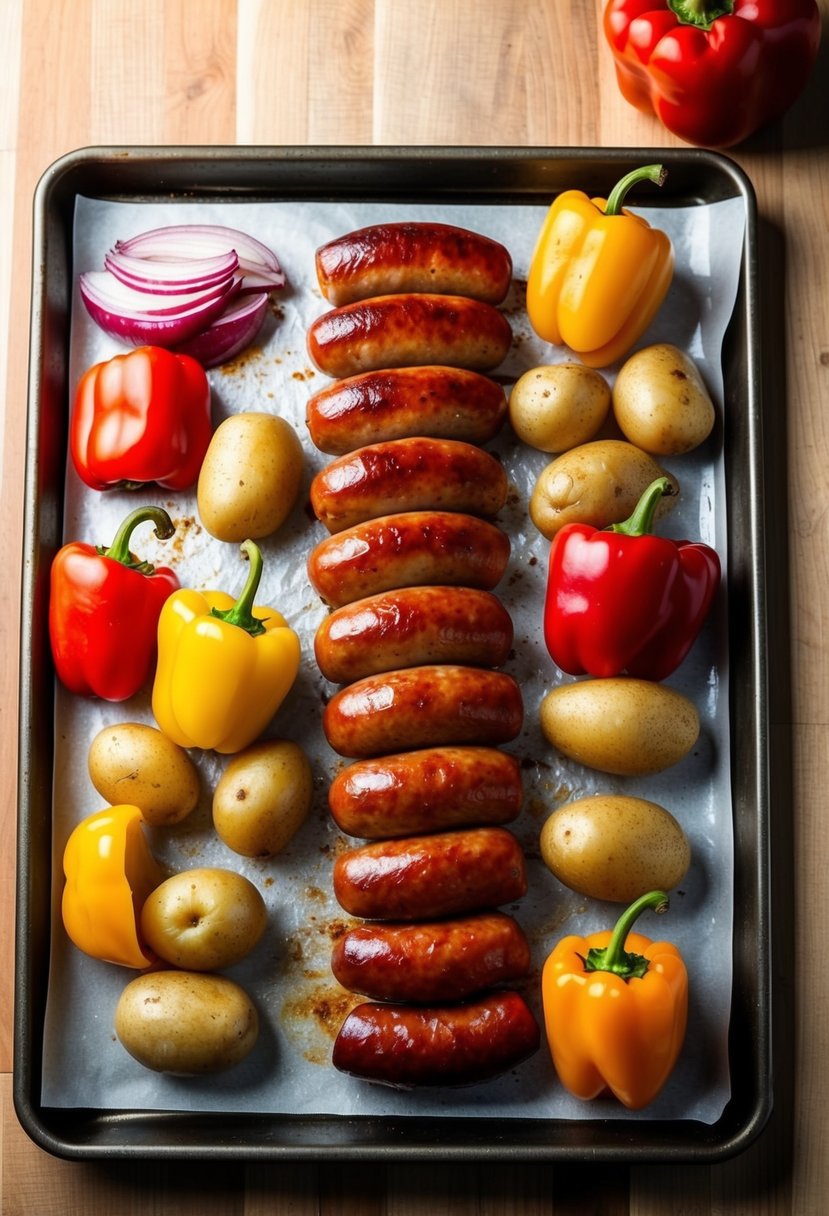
(554, 408)
(661, 403)
(263, 798)
(597, 483)
(624, 726)
(203, 919)
(614, 847)
(250, 477)
(138, 764)
(185, 1023)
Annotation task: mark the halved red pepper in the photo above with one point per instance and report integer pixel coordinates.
(103, 611)
(713, 71)
(624, 602)
(139, 418)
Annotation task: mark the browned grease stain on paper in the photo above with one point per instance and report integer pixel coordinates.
(317, 1005)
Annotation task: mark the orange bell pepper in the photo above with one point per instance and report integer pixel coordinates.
(109, 871)
(599, 274)
(615, 1018)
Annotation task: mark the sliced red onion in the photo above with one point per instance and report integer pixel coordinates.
(197, 241)
(112, 294)
(229, 333)
(200, 288)
(256, 281)
(165, 276)
(120, 315)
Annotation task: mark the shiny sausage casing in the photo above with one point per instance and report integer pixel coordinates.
(408, 331)
(399, 402)
(408, 475)
(444, 960)
(406, 550)
(411, 256)
(413, 626)
(426, 877)
(425, 706)
(410, 1045)
(427, 790)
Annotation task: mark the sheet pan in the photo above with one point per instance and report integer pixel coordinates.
(420, 176)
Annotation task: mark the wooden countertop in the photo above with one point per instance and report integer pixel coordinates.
(459, 72)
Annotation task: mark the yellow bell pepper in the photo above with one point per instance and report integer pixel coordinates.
(598, 275)
(109, 871)
(224, 668)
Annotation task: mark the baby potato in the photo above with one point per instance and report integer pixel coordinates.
(263, 798)
(614, 847)
(661, 403)
(250, 477)
(187, 1024)
(554, 408)
(136, 763)
(625, 726)
(203, 919)
(597, 483)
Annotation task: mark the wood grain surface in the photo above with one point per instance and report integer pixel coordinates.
(455, 72)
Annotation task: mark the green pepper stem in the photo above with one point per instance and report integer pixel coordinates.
(614, 957)
(241, 614)
(699, 12)
(648, 173)
(640, 523)
(119, 550)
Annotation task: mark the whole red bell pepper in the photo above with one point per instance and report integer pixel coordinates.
(713, 73)
(139, 418)
(624, 602)
(104, 607)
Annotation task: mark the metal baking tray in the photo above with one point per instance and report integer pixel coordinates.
(424, 175)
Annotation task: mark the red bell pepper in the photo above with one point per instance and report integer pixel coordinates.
(713, 73)
(139, 418)
(624, 602)
(103, 611)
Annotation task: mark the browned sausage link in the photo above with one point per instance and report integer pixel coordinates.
(427, 706)
(413, 256)
(407, 331)
(409, 1045)
(425, 877)
(408, 475)
(445, 960)
(397, 402)
(407, 550)
(427, 790)
(411, 627)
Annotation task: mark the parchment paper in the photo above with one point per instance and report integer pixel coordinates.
(288, 974)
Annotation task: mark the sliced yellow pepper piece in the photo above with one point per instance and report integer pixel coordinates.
(598, 275)
(224, 668)
(109, 871)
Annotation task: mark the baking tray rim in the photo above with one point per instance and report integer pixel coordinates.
(512, 172)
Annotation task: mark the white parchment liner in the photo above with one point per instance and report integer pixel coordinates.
(288, 974)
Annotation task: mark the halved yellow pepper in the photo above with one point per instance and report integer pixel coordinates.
(224, 668)
(598, 275)
(109, 871)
